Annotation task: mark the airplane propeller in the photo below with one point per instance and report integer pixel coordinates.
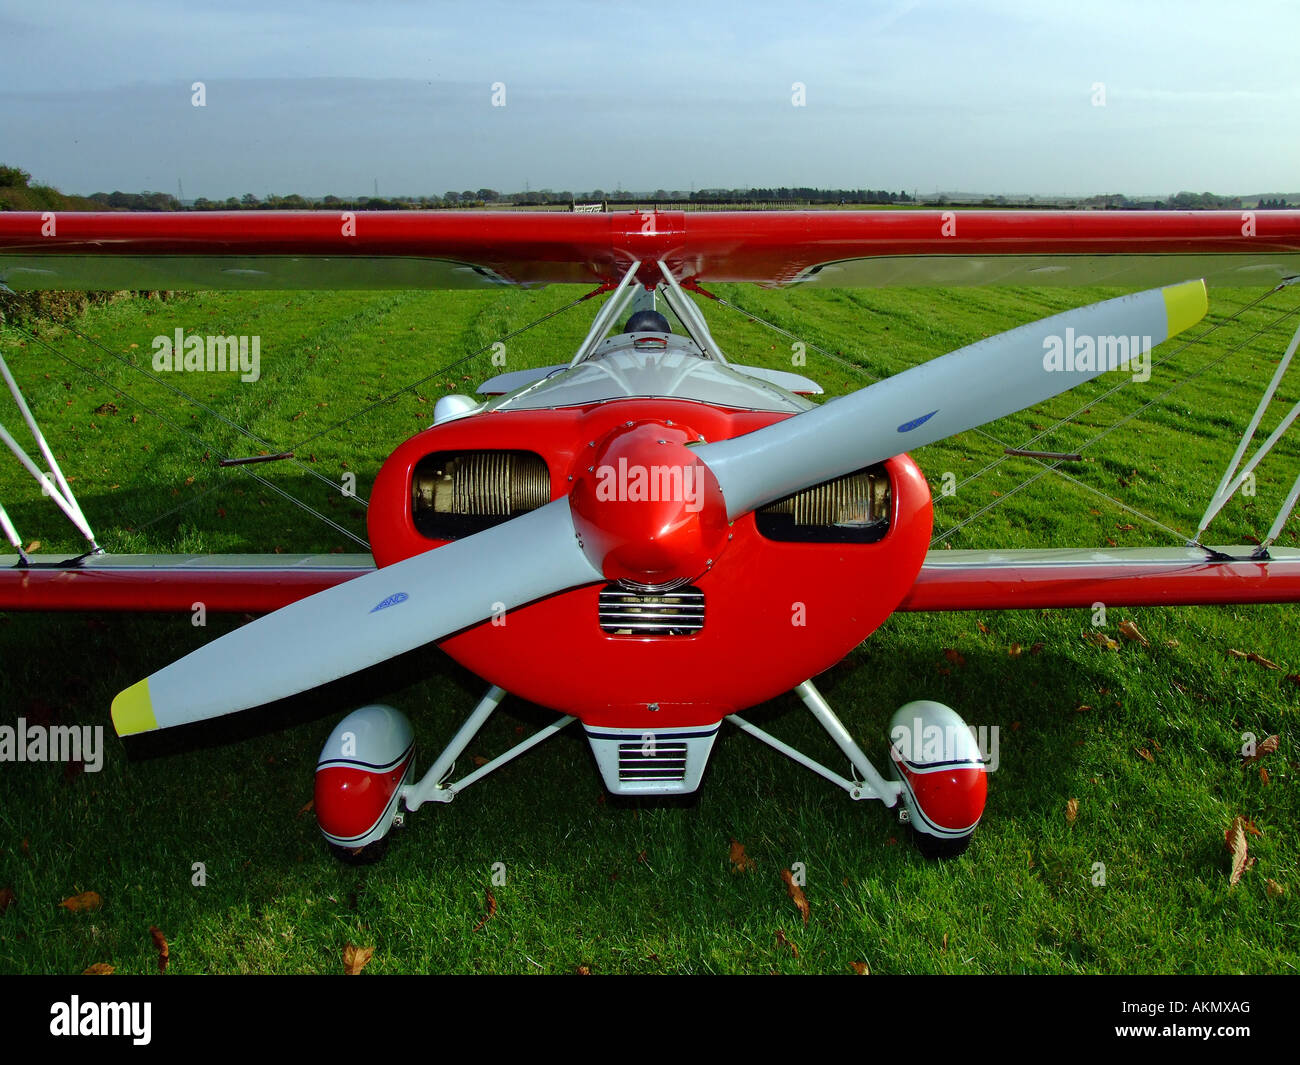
(567, 543)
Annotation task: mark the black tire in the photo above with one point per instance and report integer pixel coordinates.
(938, 849)
(367, 855)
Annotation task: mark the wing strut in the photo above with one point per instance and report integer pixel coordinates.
(53, 483)
(1236, 475)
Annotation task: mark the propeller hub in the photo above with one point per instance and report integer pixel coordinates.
(647, 511)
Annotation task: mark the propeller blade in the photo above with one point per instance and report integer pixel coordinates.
(364, 621)
(947, 395)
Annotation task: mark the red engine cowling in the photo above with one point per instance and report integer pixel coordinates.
(769, 614)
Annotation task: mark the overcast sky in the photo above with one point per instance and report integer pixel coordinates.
(994, 96)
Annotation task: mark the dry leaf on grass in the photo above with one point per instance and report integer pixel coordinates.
(860, 967)
(306, 806)
(1274, 889)
(1236, 841)
(796, 894)
(491, 910)
(583, 970)
(100, 968)
(6, 898)
(1013, 651)
(740, 861)
(781, 941)
(1101, 640)
(954, 656)
(87, 900)
(1142, 752)
(164, 952)
(1251, 656)
(1130, 631)
(1072, 811)
(356, 958)
(1263, 748)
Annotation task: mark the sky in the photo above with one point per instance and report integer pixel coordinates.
(343, 96)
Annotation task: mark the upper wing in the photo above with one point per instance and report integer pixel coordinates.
(469, 249)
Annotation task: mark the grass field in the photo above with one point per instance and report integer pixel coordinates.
(1147, 740)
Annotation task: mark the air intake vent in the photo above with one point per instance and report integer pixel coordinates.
(627, 613)
(459, 493)
(853, 509)
(652, 761)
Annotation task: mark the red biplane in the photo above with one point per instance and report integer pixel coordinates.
(649, 508)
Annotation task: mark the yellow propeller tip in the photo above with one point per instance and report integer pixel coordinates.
(1185, 305)
(133, 710)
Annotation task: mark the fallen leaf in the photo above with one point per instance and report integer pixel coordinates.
(491, 910)
(1142, 752)
(1037, 649)
(1130, 631)
(6, 898)
(106, 408)
(1013, 651)
(1251, 656)
(860, 967)
(1172, 643)
(740, 861)
(479, 760)
(356, 958)
(583, 970)
(1072, 811)
(1102, 640)
(100, 968)
(1082, 708)
(944, 948)
(781, 941)
(1241, 860)
(1264, 747)
(34, 546)
(1274, 889)
(87, 900)
(954, 656)
(982, 627)
(164, 952)
(306, 806)
(1263, 775)
(796, 894)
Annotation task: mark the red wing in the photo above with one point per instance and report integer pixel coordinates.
(465, 249)
(949, 580)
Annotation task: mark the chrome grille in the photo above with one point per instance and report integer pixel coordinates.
(628, 613)
(652, 760)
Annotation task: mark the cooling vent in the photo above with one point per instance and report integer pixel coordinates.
(459, 493)
(627, 613)
(853, 509)
(652, 761)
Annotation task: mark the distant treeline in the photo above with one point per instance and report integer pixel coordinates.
(18, 194)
